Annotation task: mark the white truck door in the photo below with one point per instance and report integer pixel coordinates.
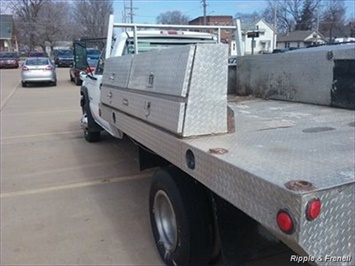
(93, 84)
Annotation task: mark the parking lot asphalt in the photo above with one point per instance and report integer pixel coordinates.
(63, 200)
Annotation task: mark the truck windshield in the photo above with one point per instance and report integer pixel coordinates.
(148, 44)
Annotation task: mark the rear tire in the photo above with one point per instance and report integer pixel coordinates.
(180, 218)
(24, 84)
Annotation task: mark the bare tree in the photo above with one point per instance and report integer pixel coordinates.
(172, 17)
(42, 21)
(308, 15)
(248, 18)
(292, 14)
(333, 18)
(55, 23)
(26, 17)
(92, 17)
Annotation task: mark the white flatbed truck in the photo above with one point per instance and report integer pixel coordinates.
(225, 182)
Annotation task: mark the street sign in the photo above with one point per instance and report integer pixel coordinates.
(253, 34)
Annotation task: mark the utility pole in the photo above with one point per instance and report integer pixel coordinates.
(128, 11)
(204, 5)
(131, 10)
(275, 25)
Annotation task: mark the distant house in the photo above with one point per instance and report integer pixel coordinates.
(8, 41)
(263, 43)
(299, 39)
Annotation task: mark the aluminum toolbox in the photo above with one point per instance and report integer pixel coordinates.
(160, 88)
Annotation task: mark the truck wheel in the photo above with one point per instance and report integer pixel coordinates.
(90, 134)
(180, 218)
(77, 81)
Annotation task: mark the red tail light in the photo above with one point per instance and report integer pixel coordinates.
(285, 221)
(48, 68)
(313, 209)
(25, 68)
(171, 32)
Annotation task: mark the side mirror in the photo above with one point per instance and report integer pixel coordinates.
(83, 75)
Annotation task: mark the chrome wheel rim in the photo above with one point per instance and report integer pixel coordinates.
(165, 220)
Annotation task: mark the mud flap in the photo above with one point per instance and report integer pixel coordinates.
(148, 159)
(342, 94)
(242, 239)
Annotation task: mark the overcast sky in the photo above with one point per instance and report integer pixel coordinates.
(147, 10)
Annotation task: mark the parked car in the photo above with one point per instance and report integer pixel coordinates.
(93, 53)
(23, 52)
(283, 50)
(74, 71)
(63, 58)
(40, 70)
(37, 54)
(9, 60)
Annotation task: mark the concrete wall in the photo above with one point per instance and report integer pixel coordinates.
(305, 75)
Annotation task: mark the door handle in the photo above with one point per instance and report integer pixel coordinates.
(125, 102)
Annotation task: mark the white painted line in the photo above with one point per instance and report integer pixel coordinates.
(4, 102)
(62, 170)
(43, 112)
(76, 185)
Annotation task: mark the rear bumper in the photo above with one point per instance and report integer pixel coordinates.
(64, 62)
(329, 239)
(9, 65)
(39, 78)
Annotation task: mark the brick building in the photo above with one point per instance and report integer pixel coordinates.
(226, 35)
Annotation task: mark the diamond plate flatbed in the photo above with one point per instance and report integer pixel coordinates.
(282, 141)
(277, 142)
(281, 156)
(274, 142)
